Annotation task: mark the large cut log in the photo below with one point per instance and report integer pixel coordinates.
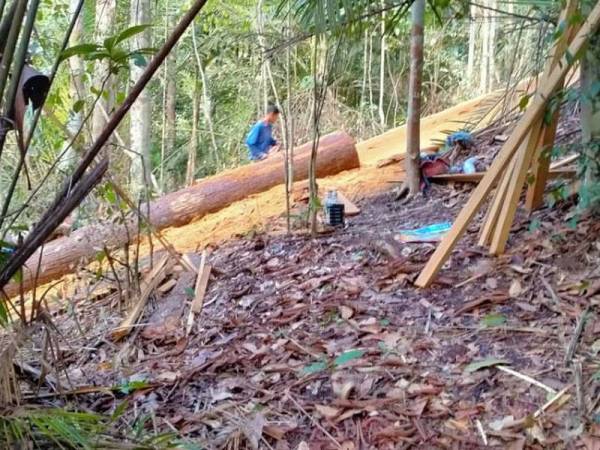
(337, 152)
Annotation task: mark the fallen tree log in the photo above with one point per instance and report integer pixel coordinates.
(337, 152)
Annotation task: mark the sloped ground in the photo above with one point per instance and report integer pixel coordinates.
(325, 344)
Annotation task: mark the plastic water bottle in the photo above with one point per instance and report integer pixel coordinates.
(334, 209)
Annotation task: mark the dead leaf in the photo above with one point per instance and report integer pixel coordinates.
(303, 446)
(253, 430)
(347, 445)
(515, 288)
(491, 283)
(346, 312)
(329, 412)
(168, 376)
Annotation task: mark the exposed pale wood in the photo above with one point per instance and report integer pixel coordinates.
(541, 160)
(478, 176)
(150, 282)
(199, 291)
(564, 162)
(531, 116)
(513, 193)
(337, 152)
(350, 209)
(491, 218)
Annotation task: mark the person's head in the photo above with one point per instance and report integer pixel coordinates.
(272, 114)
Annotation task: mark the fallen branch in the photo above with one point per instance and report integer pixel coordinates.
(199, 291)
(151, 281)
(576, 335)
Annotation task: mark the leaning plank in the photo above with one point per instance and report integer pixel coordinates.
(532, 115)
(491, 218)
(515, 188)
(199, 291)
(541, 160)
(337, 152)
(478, 176)
(151, 281)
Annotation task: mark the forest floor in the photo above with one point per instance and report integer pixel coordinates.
(325, 343)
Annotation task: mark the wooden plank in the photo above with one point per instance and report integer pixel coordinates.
(541, 160)
(491, 218)
(478, 176)
(150, 282)
(532, 115)
(350, 209)
(199, 291)
(513, 194)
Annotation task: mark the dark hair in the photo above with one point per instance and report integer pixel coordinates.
(272, 109)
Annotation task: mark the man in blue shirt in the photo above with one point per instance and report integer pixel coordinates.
(260, 139)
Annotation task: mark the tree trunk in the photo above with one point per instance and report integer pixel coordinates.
(485, 50)
(193, 148)
(206, 101)
(472, 44)
(141, 110)
(103, 80)
(413, 127)
(337, 152)
(590, 123)
(170, 103)
(492, 47)
(382, 70)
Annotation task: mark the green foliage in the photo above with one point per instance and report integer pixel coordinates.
(484, 364)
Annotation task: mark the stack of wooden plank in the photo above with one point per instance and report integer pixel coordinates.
(525, 150)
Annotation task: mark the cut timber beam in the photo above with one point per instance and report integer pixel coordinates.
(532, 115)
(350, 209)
(151, 281)
(541, 160)
(478, 176)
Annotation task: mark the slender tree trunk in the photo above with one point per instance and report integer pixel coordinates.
(413, 134)
(382, 70)
(170, 106)
(485, 50)
(590, 122)
(363, 90)
(492, 46)
(141, 111)
(206, 101)
(193, 146)
(102, 80)
(289, 148)
(472, 44)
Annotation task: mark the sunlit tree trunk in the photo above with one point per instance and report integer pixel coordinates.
(485, 50)
(170, 104)
(382, 70)
(102, 80)
(472, 44)
(193, 145)
(206, 101)
(492, 46)
(413, 141)
(141, 111)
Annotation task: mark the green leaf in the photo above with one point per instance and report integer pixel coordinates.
(119, 410)
(78, 50)
(138, 60)
(190, 292)
(348, 356)
(493, 320)
(131, 386)
(534, 225)
(3, 314)
(130, 32)
(524, 102)
(100, 256)
(78, 106)
(485, 363)
(315, 368)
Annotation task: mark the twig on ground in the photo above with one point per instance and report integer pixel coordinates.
(576, 335)
(315, 422)
(482, 432)
(551, 402)
(526, 378)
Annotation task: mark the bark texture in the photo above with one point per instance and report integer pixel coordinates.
(337, 152)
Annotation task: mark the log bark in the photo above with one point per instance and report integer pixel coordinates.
(337, 152)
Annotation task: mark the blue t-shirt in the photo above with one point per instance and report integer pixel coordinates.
(260, 140)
